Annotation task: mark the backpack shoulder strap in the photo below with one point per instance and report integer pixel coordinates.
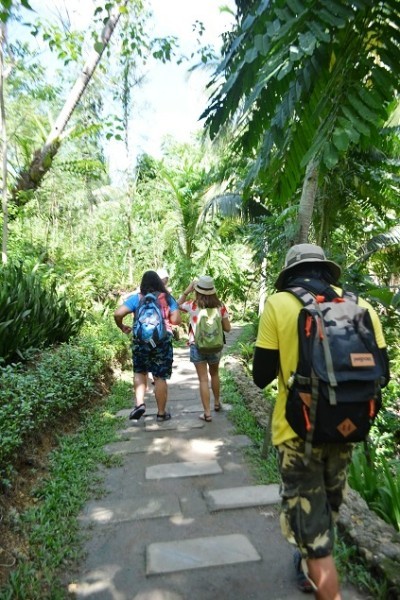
(139, 304)
(163, 303)
(350, 296)
(305, 297)
(306, 289)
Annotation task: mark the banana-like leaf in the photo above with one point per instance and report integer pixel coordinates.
(383, 240)
(304, 81)
(378, 242)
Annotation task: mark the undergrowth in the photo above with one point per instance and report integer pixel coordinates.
(51, 527)
(264, 469)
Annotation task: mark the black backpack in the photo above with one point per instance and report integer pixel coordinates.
(335, 393)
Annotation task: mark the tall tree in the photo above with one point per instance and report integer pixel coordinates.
(3, 148)
(304, 80)
(31, 178)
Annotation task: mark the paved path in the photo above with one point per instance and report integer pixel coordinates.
(183, 518)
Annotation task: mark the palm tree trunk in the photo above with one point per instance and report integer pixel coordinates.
(43, 158)
(4, 202)
(307, 201)
(263, 287)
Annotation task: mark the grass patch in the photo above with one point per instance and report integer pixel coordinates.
(264, 469)
(352, 569)
(50, 526)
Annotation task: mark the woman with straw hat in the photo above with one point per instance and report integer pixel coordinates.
(206, 364)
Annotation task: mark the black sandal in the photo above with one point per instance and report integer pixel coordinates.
(206, 418)
(165, 417)
(138, 412)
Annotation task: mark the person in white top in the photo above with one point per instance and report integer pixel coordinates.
(164, 276)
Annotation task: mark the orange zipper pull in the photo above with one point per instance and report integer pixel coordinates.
(306, 418)
(307, 325)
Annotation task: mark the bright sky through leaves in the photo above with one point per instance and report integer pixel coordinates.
(176, 98)
(170, 101)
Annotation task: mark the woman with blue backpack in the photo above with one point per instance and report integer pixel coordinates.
(209, 319)
(155, 311)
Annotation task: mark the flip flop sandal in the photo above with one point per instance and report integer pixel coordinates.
(138, 412)
(165, 417)
(218, 407)
(206, 418)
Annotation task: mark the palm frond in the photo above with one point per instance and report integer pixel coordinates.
(305, 80)
(378, 242)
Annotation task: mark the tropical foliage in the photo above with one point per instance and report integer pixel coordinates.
(378, 482)
(33, 312)
(305, 82)
(304, 87)
(34, 397)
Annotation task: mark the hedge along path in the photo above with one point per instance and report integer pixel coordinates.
(48, 399)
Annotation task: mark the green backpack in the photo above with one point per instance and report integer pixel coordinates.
(209, 336)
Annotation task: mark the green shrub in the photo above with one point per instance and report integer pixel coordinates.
(377, 480)
(50, 527)
(34, 396)
(34, 313)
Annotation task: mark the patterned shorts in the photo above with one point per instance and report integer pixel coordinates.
(157, 361)
(196, 356)
(312, 494)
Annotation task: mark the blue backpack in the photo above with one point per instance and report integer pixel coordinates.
(149, 325)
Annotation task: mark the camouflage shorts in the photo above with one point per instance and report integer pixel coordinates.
(157, 361)
(312, 494)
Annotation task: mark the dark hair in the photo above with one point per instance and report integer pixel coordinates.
(208, 301)
(310, 270)
(151, 282)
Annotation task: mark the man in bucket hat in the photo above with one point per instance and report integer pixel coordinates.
(311, 490)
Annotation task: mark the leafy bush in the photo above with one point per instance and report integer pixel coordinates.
(50, 527)
(34, 396)
(377, 480)
(34, 313)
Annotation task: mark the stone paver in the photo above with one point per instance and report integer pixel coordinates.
(194, 449)
(183, 469)
(106, 512)
(159, 445)
(242, 497)
(173, 425)
(166, 557)
(186, 407)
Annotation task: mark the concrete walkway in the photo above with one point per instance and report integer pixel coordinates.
(183, 518)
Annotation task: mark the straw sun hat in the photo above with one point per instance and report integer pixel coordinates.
(205, 285)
